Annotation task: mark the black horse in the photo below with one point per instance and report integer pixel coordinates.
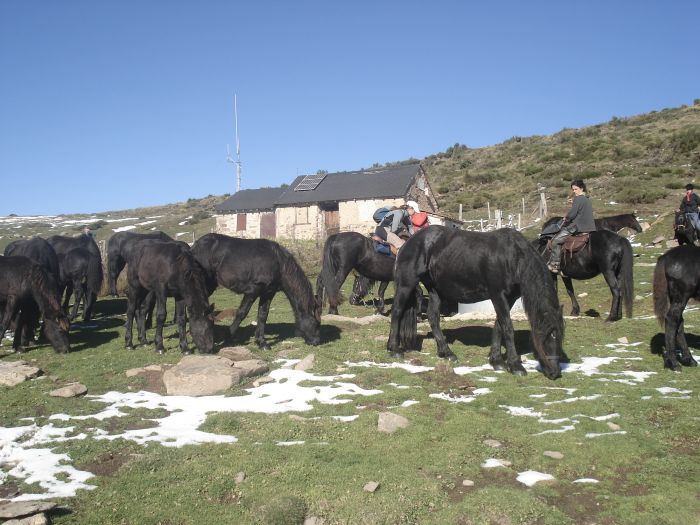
(167, 269)
(63, 244)
(468, 267)
(259, 268)
(78, 274)
(676, 279)
(119, 248)
(347, 251)
(606, 253)
(613, 223)
(683, 230)
(25, 290)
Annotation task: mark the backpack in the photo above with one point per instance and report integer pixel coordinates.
(380, 213)
(382, 248)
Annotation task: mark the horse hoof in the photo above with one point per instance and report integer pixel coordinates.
(186, 352)
(519, 373)
(396, 355)
(160, 351)
(451, 357)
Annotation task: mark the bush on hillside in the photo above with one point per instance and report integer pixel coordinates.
(686, 140)
(639, 195)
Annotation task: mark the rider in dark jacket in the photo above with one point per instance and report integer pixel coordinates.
(578, 220)
(689, 206)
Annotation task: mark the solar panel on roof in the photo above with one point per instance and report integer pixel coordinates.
(310, 182)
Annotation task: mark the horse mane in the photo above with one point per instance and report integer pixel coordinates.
(539, 297)
(295, 283)
(44, 291)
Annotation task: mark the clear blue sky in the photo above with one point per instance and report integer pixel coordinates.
(108, 105)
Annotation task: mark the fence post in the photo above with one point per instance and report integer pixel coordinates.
(460, 212)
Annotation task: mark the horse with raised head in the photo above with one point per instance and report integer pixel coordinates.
(606, 253)
(167, 269)
(347, 251)
(683, 230)
(676, 280)
(78, 274)
(25, 290)
(259, 268)
(468, 267)
(119, 248)
(613, 223)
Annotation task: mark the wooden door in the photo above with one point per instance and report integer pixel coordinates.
(268, 226)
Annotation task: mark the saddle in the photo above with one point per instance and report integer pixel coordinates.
(576, 243)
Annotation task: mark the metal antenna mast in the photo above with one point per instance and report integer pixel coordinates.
(229, 158)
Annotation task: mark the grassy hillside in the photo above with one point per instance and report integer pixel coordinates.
(638, 163)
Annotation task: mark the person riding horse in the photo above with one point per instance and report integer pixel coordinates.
(689, 206)
(395, 221)
(578, 220)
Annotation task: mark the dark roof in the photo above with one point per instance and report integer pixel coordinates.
(376, 183)
(251, 200)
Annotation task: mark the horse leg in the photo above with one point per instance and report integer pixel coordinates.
(135, 298)
(181, 320)
(78, 287)
(116, 265)
(495, 355)
(339, 277)
(686, 357)
(672, 323)
(68, 294)
(243, 309)
(615, 290)
(380, 294)
(443, 350)
(263, 311)
(569, 285)
(401, 298)
(513, 362)
(141, 318)
(161, 298)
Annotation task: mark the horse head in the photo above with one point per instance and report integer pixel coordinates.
(309, 324)
(202, 329)
(547, 341)
(56, 328)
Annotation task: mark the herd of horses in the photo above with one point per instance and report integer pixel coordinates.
(38, 277)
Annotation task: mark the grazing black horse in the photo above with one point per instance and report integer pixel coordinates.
(683, 230)
(676, 279)
(119, 248)
(77, 274)
(259, 268)
(347, 251)
(39, 251)
(467, 267)
(167, 269)
(613, 223)
(25, 290)
(606, 253)
(63, 244)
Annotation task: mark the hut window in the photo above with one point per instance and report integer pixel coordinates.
(241, 223)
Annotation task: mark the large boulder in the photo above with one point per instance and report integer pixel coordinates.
(201, 375)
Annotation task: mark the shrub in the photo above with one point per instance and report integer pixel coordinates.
(686, 140)
(639, 195)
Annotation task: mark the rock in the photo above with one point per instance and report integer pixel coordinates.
(658, 239)
(236, 353)
(306, 363)
(15, 372)
(672, 243)
(225, 315)
(252, 367)
(314, 520)
(553, 454)
(623, 340)
(263, 381)
(240, 478)
(582, 295)
(390, 423)
(17, 509)
(72, 390)
(201, 375)
(134, 371)
(492, 443)
(645, 226)
(153, 368)
(613, 426)
(370, 486)
(467, 483)
(35, 519)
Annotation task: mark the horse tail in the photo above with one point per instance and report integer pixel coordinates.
(626, 277)
(660, 293)
(326, 285)
(295, 283)
(94, 275)
(408, 326)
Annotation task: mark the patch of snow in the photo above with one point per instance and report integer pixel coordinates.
(586, 480)
(494, 463)
(599, 434)
(123, 229)
(530, 477)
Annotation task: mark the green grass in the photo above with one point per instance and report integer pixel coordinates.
(648, 475)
